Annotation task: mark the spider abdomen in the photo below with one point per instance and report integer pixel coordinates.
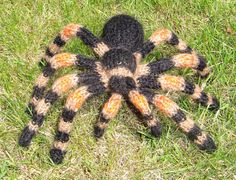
(123, 31)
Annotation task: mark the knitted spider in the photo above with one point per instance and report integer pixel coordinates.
(118, 71)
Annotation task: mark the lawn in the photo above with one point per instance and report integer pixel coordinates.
(126, 151)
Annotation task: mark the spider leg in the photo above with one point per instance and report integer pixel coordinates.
(61, 86)
(64, 59)
(109, 111)
(178, 83)
(165, 35)
(140, 102)
(183, 60)
(75, 30)
(73, 103)
(171, 109)
(56, 62)
(188, 126)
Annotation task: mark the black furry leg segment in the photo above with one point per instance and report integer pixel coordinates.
(141, 104)
(73, 103)
(109, 111)
(188, 126)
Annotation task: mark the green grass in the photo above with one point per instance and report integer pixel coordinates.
(127, 150)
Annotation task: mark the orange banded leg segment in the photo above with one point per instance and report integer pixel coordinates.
(141, 104)
(61, 86)
(160, 36)
(109, 111)
(193, 61)
(178, 83)
(73, 103)
(60, 40)
(194, 133)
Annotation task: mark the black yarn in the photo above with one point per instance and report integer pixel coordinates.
(149, 94)
(62, 136)
(26, 137)
(87, 37)
(48, 70)
(38, 119)
(149, 81)
(98, 132)
(202, 63)
(58, 41)
(102, 119)
(123, 31)
(147, 47)
(119, 57)
(189, 87)
(160, 66)
(51, 97)
(68, 115)
(57, 155)
(96, 89)
(82, 61)
(38, 92)
(215, 104)
(156, 130)
(174, 40)
(89, 78)
(194, 132)
(121, 85)
(48, 52)
(179, 116)
(203, 99)
(208, 145)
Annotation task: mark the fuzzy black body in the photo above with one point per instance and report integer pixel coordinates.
(124, 35)
(123, 31)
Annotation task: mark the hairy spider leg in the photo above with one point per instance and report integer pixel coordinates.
(183, 60)
(165, 35)
(140, 102)
(109, 111)
(64, 59)
(194, 133)
(178, 83)
(75, 30)
(58, 61)
(73, 103)
(187, 125)
(60, 87)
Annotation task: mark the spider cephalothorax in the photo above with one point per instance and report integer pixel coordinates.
(119, 72)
